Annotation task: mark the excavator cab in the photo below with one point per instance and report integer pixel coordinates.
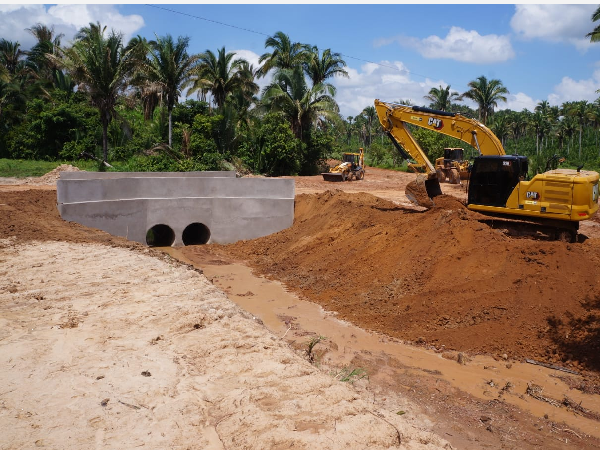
(493, 178)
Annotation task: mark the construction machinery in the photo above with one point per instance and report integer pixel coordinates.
(452, 166)
(499, 184)
(352, 166)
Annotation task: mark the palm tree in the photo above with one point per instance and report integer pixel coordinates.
(349, 125)
(7, 89)
(579, 110)
(166, 71)
(441, 98)
(566, 129)
(500, 125)
(4, 74)
(536, 123)
(594, 119)
(370, 116)
(321, 67)
(542, 107)
(102, 67)
(47, 43)
(44, 73)
(552, 116)
(486, 93)
(243, 100)
(222, 75)
(517, 126)
(11, 56)
(302, 106)
(594, 35)
(285, 55)
(148, 93)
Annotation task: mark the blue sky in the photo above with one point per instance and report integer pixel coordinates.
(393, 51)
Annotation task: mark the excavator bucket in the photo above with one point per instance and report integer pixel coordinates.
(421, 191)
(328, 176)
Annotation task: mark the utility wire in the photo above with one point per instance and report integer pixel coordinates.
(208, 20)
(268, 35)
(193, 16)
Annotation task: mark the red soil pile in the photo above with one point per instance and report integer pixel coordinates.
(33, 215)
(439, 277)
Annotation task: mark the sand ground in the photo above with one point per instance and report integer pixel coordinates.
(106, 344)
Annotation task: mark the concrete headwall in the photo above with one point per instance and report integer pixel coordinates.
(177, 208)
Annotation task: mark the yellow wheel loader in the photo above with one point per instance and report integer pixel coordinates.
(452, 166)
(556, 200)
(352, 166)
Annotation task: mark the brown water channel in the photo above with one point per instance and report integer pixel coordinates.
(482, 377)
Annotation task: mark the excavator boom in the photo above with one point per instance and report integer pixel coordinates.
(394, 117)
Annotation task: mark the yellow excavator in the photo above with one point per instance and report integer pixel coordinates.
(557, 200)
(352, 166)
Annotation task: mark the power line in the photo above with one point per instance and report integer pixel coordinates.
(193, 16)
(208, 20)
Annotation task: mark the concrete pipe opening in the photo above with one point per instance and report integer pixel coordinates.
(160, 236)
(195, 234)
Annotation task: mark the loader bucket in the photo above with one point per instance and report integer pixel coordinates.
(327, 176)
(421, 191)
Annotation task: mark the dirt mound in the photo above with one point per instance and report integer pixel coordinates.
(33, 215)
(53, 175)
(439, 277)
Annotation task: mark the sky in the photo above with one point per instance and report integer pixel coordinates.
(393, 51)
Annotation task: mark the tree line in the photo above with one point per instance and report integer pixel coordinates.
(118, 101)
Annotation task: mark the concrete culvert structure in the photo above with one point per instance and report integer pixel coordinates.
(129, 204)
(160, 236)
(195, 234)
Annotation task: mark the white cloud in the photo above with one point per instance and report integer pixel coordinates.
(252, 58)
(460, 45)
(387, 81)
(555, 23)
(66, 19)
(571, 90)
(518, 102)
(466, 46)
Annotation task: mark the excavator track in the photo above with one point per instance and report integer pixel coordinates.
(542, 229)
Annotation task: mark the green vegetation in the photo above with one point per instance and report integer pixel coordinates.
(350, 375)
(22, 168)
(312, 356)
(126, 111)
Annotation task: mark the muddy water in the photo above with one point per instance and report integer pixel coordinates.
(297, 320)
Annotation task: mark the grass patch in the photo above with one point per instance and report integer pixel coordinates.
(23, 168)
(351, 375)
(312, 356)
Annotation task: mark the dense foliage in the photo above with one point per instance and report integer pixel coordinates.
(118, 102)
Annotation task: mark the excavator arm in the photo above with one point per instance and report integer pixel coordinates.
(394, 117)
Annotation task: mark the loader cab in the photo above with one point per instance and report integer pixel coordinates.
(353, 158)
(350, 157)
(453, 154)
(493, 178)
